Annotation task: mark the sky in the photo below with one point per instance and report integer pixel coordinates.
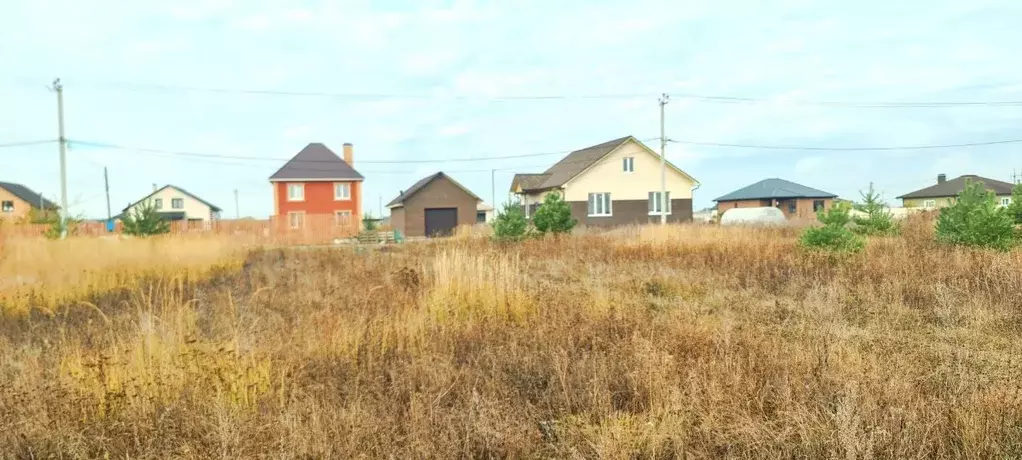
(412, 81)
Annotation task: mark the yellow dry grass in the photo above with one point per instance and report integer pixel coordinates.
(646, 342)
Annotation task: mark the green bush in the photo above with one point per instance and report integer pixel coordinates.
(834, 235)
(510, 223)
(1015, 208)
(976, 220)
(143, 220)
(878, 220)
(554, 215)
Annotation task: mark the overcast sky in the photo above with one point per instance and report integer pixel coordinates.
(451, 61)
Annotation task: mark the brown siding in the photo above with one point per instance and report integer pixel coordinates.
(631, 212)
(440, 193)
(803, 206)
(397, 220)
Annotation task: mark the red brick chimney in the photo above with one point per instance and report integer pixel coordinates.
(349, 155)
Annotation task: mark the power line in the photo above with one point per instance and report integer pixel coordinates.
(546, 97)
(867, 105)
(27, 143)
(365, 96)
(848, 149)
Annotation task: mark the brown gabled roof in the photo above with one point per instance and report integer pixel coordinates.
(316, 162)
(422, 183)
(528, 181)
(955, 186)
(576, 162)
(33, 199)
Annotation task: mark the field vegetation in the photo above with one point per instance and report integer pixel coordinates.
(647, 342)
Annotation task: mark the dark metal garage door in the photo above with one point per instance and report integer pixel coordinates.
(441, 221)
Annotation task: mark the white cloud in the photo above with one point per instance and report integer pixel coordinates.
(809, 165)
(454, 130)
(298, 132)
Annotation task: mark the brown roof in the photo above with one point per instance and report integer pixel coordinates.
(316, 162)
(528, 181)
(422, 183)
(578, 161)
(955, 186)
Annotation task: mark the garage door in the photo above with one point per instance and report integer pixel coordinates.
(441, 221)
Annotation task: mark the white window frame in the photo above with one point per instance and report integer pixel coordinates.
(929, 204)
(602, 205)
(628, 164)
(1005, 201)
(174, 201)
(291, 219)
(158, 203)
(654, 200)
(300, 187)
(342, 212)
(8, 206)
(346, 188)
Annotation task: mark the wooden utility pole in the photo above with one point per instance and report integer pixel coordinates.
(59, 88)
(663, 163)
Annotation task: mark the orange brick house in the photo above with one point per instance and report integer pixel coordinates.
(796, 200)
(317, 188)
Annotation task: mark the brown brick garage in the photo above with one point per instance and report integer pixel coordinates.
(440, 197)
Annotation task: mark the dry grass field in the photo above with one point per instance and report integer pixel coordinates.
(651, 343)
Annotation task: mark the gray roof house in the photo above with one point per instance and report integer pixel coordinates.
(951, 188)
(28, 195)
(317, 162)
(796, 200)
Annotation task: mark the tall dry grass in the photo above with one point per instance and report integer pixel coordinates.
(684, 342)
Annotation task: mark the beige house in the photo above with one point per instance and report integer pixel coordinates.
(175, 203)
(945, 192)
(613, 183)
(17, 202)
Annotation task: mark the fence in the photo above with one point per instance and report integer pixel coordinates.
(309, 229)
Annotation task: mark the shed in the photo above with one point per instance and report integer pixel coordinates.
(433, 206)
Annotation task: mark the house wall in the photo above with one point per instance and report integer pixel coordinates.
(941, 202)
(397, 220)
(319, 199)
(440, 193)
(626, 212)
(21, 207)
(193, 209)
(608, 176)
(804, 206)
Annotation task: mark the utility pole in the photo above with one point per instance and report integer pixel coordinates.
(63, 157)
(493, 188)
(663, 163)
(237, 209)
(106, 184)
(381, 206)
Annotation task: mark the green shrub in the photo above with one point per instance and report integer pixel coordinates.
(554, 215)
(510, 223)
(878, 220)
(143, 220)
(1015, 208)
(834, 235)
(976, 220)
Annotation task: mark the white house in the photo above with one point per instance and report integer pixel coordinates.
(175, 203)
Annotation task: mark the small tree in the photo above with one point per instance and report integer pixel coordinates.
(878, 220)
(1015, 208)
(834, 235)
(554, 215)
(510, 223)
(143, 220)
(976, 220)
(370, 223)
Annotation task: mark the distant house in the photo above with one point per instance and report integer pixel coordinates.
(18, 201)
(174, 203)
(944, 192)
(433, 206)
(318, 182)
(795, 200)
(613, 183)
(484, 213)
